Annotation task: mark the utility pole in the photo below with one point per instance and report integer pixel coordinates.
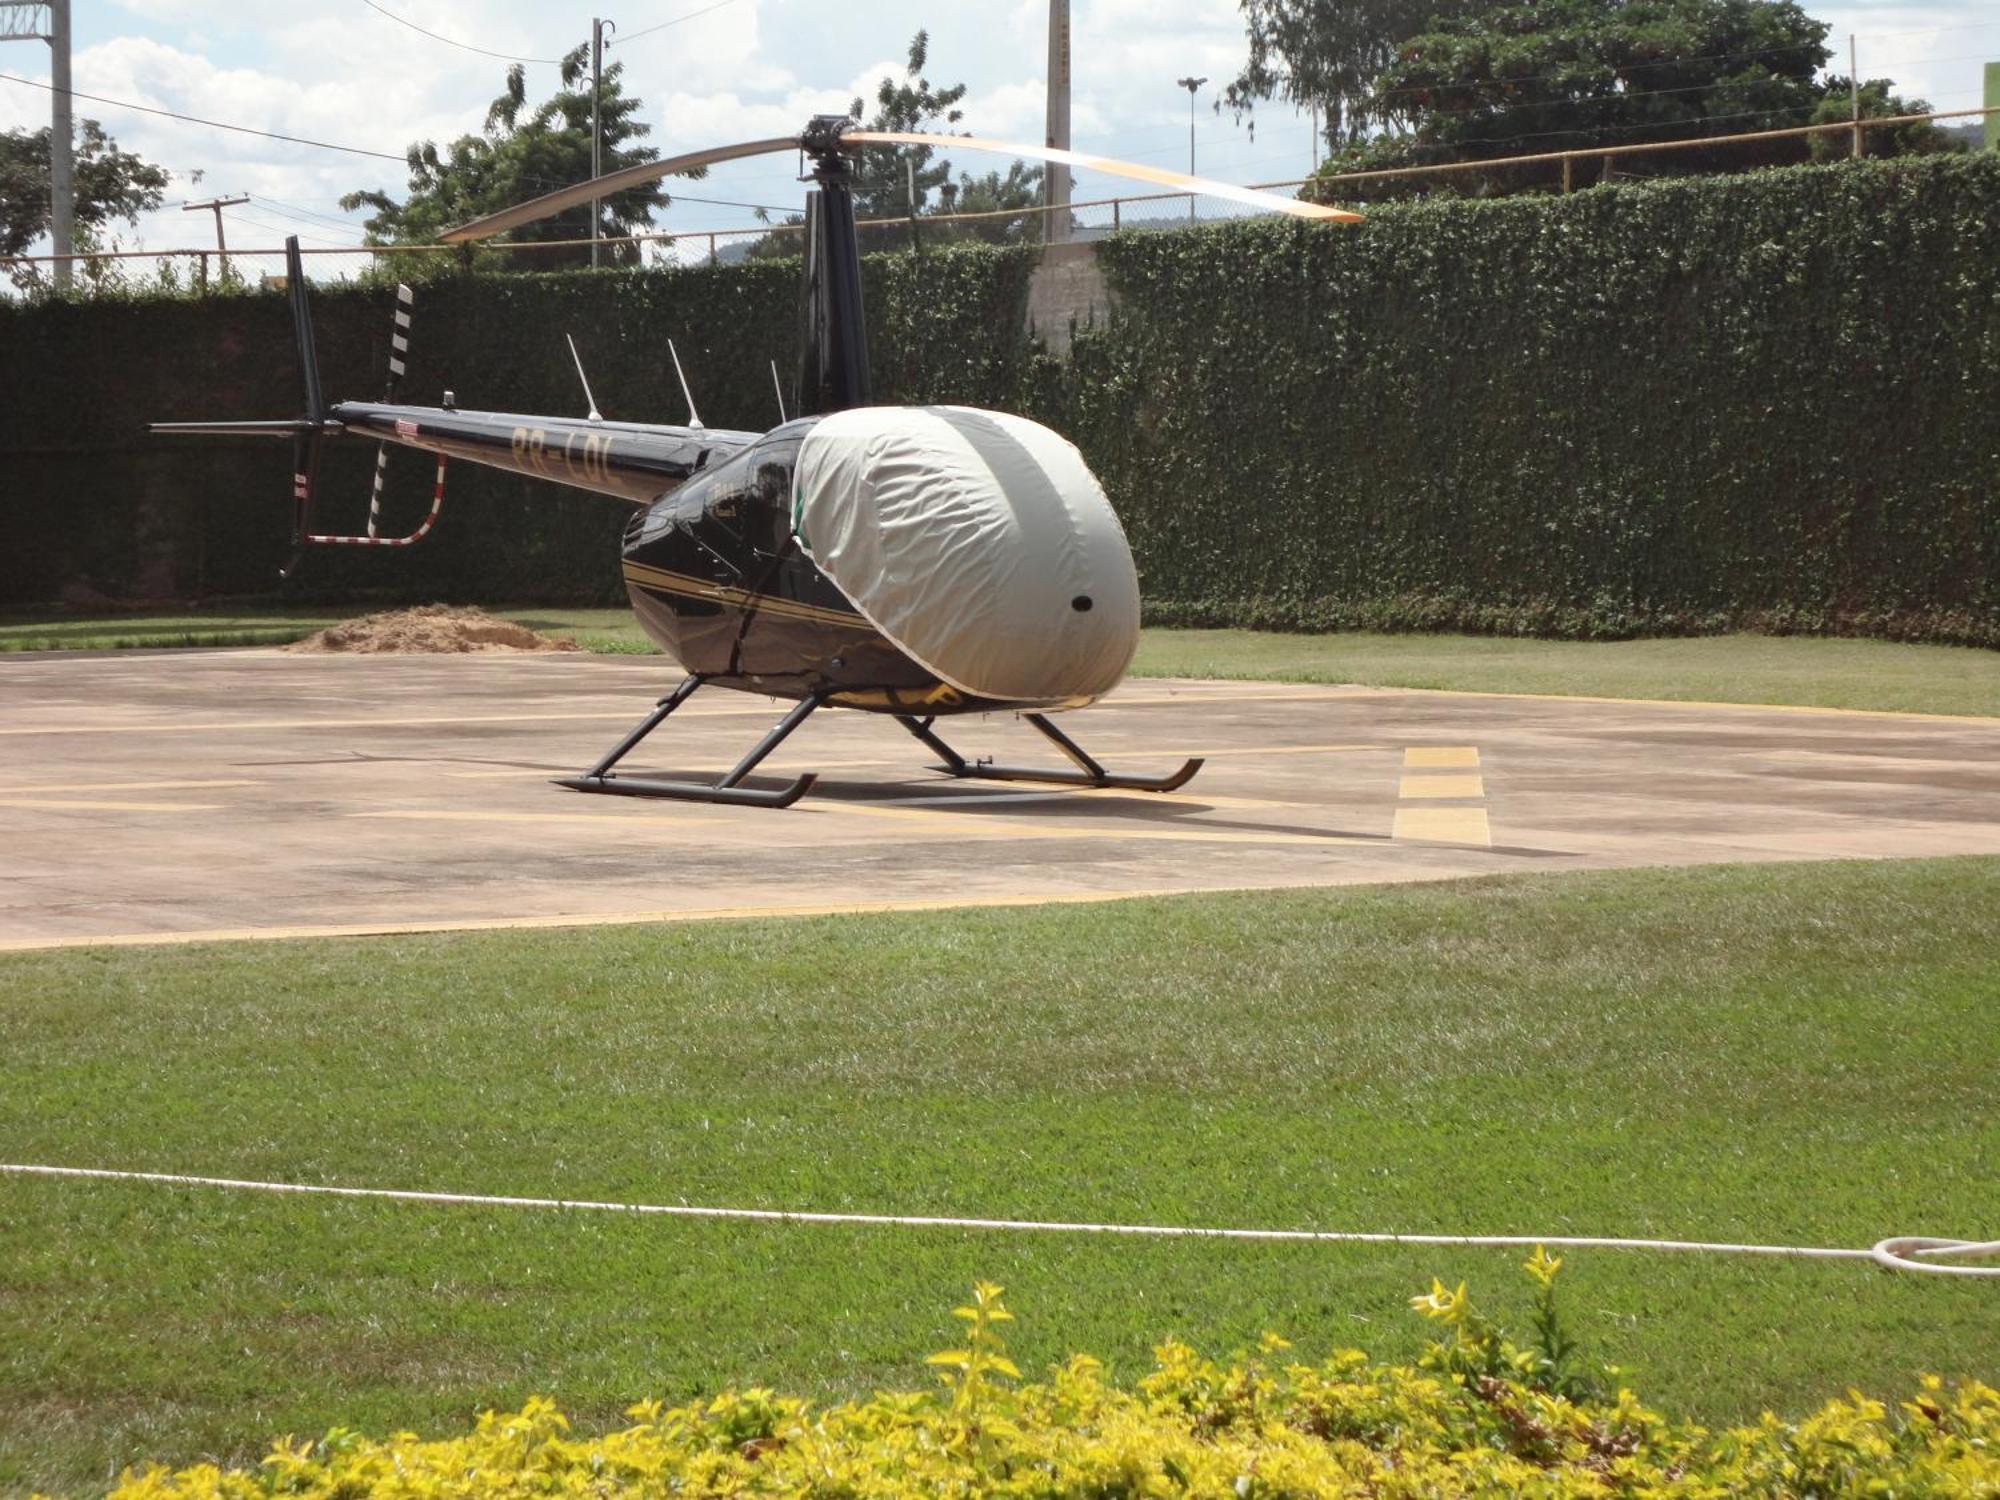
(1191, 84)
(218, 205)
(597, 131)
(1055, 176)
(48, 21)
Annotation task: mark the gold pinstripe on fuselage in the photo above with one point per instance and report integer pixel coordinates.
(687, 586)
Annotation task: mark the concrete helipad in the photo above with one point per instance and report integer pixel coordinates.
(255, 793)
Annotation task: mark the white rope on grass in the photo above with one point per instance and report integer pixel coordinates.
(1898, 1253)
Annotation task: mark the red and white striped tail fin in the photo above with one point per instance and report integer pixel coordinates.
(399, 353)
(399, 349)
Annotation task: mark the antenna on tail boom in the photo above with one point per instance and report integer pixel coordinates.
(694, 417)
(589, 400)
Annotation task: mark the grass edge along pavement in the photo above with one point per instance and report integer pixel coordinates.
(1792, 1054)
(1477, 1414)
(1807, 671)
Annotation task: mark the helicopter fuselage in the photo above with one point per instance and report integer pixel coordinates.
(715, 571)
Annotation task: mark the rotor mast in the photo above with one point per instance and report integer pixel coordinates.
(833, 374)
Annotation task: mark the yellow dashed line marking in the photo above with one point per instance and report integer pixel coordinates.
(630, 818)
(238, 726)
(1442, 786)
(119, 786)
(1444, 825)
(630, 715)
(584, 919)
(72, 804)
(1440, 757)
(923, 821)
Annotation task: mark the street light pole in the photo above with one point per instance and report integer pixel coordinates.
(1191, 84)
(1055, 176)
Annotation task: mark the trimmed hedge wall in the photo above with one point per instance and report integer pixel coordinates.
(1768, 400)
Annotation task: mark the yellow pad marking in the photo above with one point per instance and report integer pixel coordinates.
(1440, 757)
(1442, 786)
(77, 805)
(1444, 825)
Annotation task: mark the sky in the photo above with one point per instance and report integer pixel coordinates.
(343, 73)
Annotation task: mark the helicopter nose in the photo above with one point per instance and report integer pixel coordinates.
(979, 542)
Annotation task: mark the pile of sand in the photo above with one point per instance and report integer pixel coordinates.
(431, 627)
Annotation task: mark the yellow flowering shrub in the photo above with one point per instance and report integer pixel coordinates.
(1475, 1416)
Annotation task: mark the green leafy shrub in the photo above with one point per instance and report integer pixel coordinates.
(1477, 1415)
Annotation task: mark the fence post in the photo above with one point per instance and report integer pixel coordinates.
(1566, 177)
(204, 273)
(711, 247)
(1117, 220)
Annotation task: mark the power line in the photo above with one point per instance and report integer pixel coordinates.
(452, 41)
(147, 109)
(663, 25)
(275, 229)
(297, 211)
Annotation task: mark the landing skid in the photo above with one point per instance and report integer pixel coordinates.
(599, 778)
(730, 790)
(1087, 773)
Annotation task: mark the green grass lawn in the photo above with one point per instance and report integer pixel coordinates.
(1719, 669)
(244, 627)
(1796, 1054)
(1726, 669)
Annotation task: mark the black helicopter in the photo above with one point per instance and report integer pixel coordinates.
(915, 562)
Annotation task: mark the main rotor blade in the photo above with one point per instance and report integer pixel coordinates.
(1271, 202)
(607, 185)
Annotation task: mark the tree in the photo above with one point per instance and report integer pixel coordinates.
(1329, 53)
(1550, 75)
(895, 182)
(1017, 191)
(1878, 102)
(523, 155)
(110, 184)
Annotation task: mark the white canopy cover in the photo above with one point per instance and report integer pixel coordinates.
(980, 543)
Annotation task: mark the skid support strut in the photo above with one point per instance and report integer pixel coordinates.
(599, 778)
(1087, 773)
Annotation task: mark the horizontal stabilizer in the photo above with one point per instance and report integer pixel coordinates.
(297, 427)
